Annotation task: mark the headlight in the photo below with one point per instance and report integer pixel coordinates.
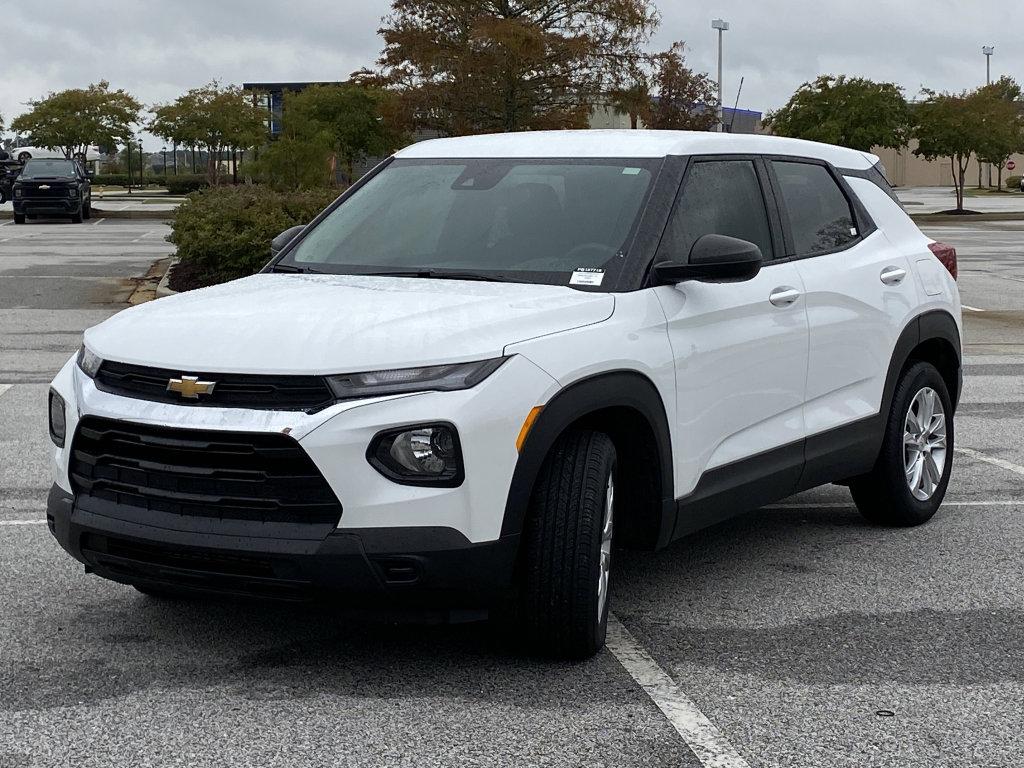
(442, 378)
(88, 362)
(427, 454)
(58, 420)
(72, 192)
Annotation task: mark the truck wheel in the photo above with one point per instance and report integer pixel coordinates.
(912, 471)
(568, 547)
(76, 217)
(19, 218)
(87, 210)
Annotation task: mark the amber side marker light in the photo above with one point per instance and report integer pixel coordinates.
(531, 417)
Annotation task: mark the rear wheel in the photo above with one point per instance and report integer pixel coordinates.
(910, 477)
(568, 547)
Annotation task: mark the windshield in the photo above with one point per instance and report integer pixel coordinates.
(42, 168)
(555, 221)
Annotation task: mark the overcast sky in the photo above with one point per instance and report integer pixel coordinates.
(156, 49)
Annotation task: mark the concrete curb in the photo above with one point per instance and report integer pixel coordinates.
(162, 288)
(99, 213)
(967, 218)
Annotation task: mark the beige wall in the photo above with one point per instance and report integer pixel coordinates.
(905, 169)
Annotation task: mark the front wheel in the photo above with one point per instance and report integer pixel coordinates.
(568, 547)
(87, 210)
(912, 471)
(19, 218)
(76, 217)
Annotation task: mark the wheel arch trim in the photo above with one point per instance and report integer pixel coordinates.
(611, 389)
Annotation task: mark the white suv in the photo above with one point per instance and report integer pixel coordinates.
(493, 352)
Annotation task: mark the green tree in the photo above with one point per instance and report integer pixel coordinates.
(476, 66)
(75, 119)
(849, 111)
(633, 97)
(686, 100)
(950, 126)
(299, 158)
(214, 118)
(1000, 107)
(350, 114)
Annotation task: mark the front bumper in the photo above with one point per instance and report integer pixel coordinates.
(47, 206)
(419, 566)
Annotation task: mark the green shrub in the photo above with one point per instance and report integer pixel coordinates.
(223, 233)
(182, 184)
(1013, 182)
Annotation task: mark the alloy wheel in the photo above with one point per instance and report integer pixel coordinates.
(924, 443)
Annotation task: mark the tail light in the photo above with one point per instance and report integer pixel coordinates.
(947, 255)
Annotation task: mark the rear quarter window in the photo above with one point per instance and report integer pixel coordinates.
(819, 215)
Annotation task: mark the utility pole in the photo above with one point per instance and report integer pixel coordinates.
(721, 26)
(988, 50)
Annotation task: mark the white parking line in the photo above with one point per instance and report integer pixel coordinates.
(971, 309)
(994, 461)
(99, 221)
(701, 736)
(4, 388)
(22, 522)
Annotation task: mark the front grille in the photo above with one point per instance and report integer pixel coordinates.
(196, 474)
(223, 571)
(35, 193)
(231, 390)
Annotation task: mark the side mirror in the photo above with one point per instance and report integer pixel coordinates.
(713, 259)
(280, 242)
(90, 174)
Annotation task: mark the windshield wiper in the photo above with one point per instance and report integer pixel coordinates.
(437, 274)
(292, 268)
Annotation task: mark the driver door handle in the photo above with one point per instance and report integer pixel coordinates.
(893, 275)
(783, 296)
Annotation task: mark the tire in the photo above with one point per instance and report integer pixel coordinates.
(87, 210)
(19, 218)
(76, 217)
(567, 547)
(884, 496)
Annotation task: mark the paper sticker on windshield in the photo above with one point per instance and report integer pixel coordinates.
(631, 171)
(587, 276)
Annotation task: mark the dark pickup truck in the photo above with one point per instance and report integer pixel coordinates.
(51, 187)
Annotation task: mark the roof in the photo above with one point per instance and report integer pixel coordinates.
(631, 143)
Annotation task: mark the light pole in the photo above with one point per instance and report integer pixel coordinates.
(988, 50)
(721, 26)
(164, 168)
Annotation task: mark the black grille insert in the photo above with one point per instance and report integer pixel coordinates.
(237, 476)
(231, 390)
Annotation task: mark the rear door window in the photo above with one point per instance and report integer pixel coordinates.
(819, 215)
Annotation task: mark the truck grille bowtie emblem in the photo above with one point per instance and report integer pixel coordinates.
(191, 387)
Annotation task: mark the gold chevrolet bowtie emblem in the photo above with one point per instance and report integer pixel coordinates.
(190, 387)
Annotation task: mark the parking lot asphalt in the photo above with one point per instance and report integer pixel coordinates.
(805, 636)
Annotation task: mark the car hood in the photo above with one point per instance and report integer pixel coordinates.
(318, 324)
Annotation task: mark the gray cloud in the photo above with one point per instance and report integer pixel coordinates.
(156, 49)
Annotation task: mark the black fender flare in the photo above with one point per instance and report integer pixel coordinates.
(935, 324)
(623, 388)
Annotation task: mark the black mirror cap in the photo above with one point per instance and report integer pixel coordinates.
(90, 174)
(713, 259)
(280, 242)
